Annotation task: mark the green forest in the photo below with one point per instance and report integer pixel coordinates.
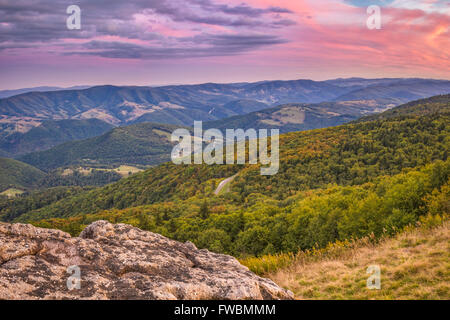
(309, 219)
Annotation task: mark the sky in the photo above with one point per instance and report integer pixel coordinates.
(158, 42)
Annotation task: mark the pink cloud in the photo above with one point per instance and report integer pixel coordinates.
(335, 34)
(330, 39)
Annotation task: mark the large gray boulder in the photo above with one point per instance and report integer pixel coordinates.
(119, 262)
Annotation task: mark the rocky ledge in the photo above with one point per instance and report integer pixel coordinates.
(119, 261)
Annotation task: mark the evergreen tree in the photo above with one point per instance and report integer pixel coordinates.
(204, 210)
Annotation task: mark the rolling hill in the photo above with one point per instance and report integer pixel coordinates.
(144, 143)
(52, 133)
(346, 155)
(183, 103)
(18, 175)
(298, 117)
(244, 106)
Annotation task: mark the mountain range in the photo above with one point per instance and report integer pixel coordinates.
(137, 144)
(15, 92)
(181, 104)
(359, 183)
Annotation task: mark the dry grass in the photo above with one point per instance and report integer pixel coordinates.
(286, 115)
(126, 171)
(414, 265)
(12, 192)
(163, 134)
(123, 170)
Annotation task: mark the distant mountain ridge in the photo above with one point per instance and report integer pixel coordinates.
(182, 104)
(14, 92)
(434, 105)
(399, 92)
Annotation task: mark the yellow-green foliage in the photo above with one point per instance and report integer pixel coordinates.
(268, 263)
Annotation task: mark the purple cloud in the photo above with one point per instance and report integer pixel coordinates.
(40, 24)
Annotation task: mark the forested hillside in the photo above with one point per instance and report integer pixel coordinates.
(10, 208)
(16, 174)
(145, 143)
(306, 220)
(346, 155)
(52, 133)
(20, 178)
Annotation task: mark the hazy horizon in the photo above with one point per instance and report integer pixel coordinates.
(74, 87)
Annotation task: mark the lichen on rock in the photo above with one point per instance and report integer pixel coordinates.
(118, 261)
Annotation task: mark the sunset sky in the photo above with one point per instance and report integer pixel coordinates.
(157, 42)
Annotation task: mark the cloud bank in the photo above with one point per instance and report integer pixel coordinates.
(142, 29)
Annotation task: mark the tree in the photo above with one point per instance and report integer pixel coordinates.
(204, 210)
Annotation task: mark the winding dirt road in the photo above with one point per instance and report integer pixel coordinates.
(223, 183)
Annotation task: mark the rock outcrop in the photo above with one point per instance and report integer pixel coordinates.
(119, 262)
